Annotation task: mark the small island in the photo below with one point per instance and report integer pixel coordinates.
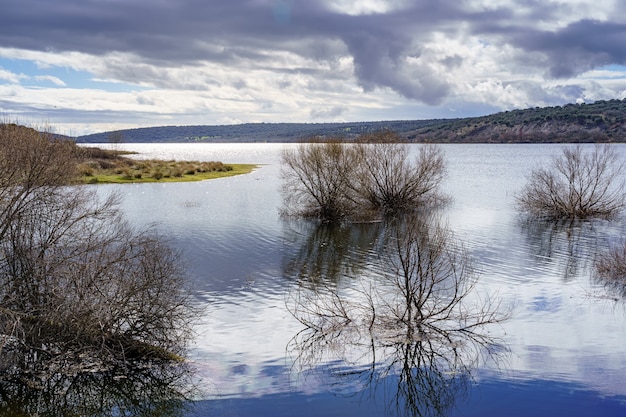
(103, 166)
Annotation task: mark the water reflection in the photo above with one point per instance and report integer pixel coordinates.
(418, 378)
(391, 306)
(151, 390)
(571, 243)
(610, 270)
(328, 251)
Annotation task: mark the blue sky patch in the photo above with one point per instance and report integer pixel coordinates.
(32, 75)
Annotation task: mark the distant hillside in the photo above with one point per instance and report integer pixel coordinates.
(250, 132)
(602, 121)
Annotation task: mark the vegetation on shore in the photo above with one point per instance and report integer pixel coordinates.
(77, 281)
(598, 122)
(97, 166)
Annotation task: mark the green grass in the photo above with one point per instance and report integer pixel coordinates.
(238, 169)
(161, 171)
(99, 166)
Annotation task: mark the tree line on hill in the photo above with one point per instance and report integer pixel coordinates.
(601, 121)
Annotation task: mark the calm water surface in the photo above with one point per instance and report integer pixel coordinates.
(560, 353)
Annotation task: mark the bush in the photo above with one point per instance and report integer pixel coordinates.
(336, 181)
(74, 276)
(390, 181)
(577, 184)
(317, 180)
(85, 169)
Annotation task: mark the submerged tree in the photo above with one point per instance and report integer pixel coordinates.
(335, 181)
(390, 180)
(76, 280)
(577, 184)
(317, 180)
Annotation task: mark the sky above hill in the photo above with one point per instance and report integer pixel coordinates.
(84, 66)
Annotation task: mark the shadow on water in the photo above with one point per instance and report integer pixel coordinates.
(150, 390)
(390, 312)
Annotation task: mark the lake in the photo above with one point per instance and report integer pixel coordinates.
(560, 352)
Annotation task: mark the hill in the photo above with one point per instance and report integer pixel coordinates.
(250, 132)
(602, 121)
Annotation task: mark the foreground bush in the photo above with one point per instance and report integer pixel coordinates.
(577, 184)
(74, 276)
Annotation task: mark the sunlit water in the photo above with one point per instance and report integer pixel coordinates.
(563, 347)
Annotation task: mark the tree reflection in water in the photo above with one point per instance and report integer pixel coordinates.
(569, 244)
(147, 390)
(574, 247)
(610, 270)
(394, 301)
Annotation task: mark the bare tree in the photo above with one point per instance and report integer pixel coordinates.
(389, 180)
(33, 166)
(336, 181)
(74, 276)
(317, 180)
(578, 184)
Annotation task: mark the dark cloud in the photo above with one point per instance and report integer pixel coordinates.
(576, 48)
(385, 47)
(565, 51)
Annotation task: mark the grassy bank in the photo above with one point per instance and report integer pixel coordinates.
(98, 166)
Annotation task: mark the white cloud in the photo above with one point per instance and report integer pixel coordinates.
(365, 7)
(11, 77)
(50, 78)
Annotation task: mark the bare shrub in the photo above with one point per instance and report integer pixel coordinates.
(390, 180)
(85, 169)
(336, 181)
(317, 180)
(577, 184)
(74, 276)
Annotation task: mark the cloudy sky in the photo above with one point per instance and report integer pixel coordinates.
(85, 66)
